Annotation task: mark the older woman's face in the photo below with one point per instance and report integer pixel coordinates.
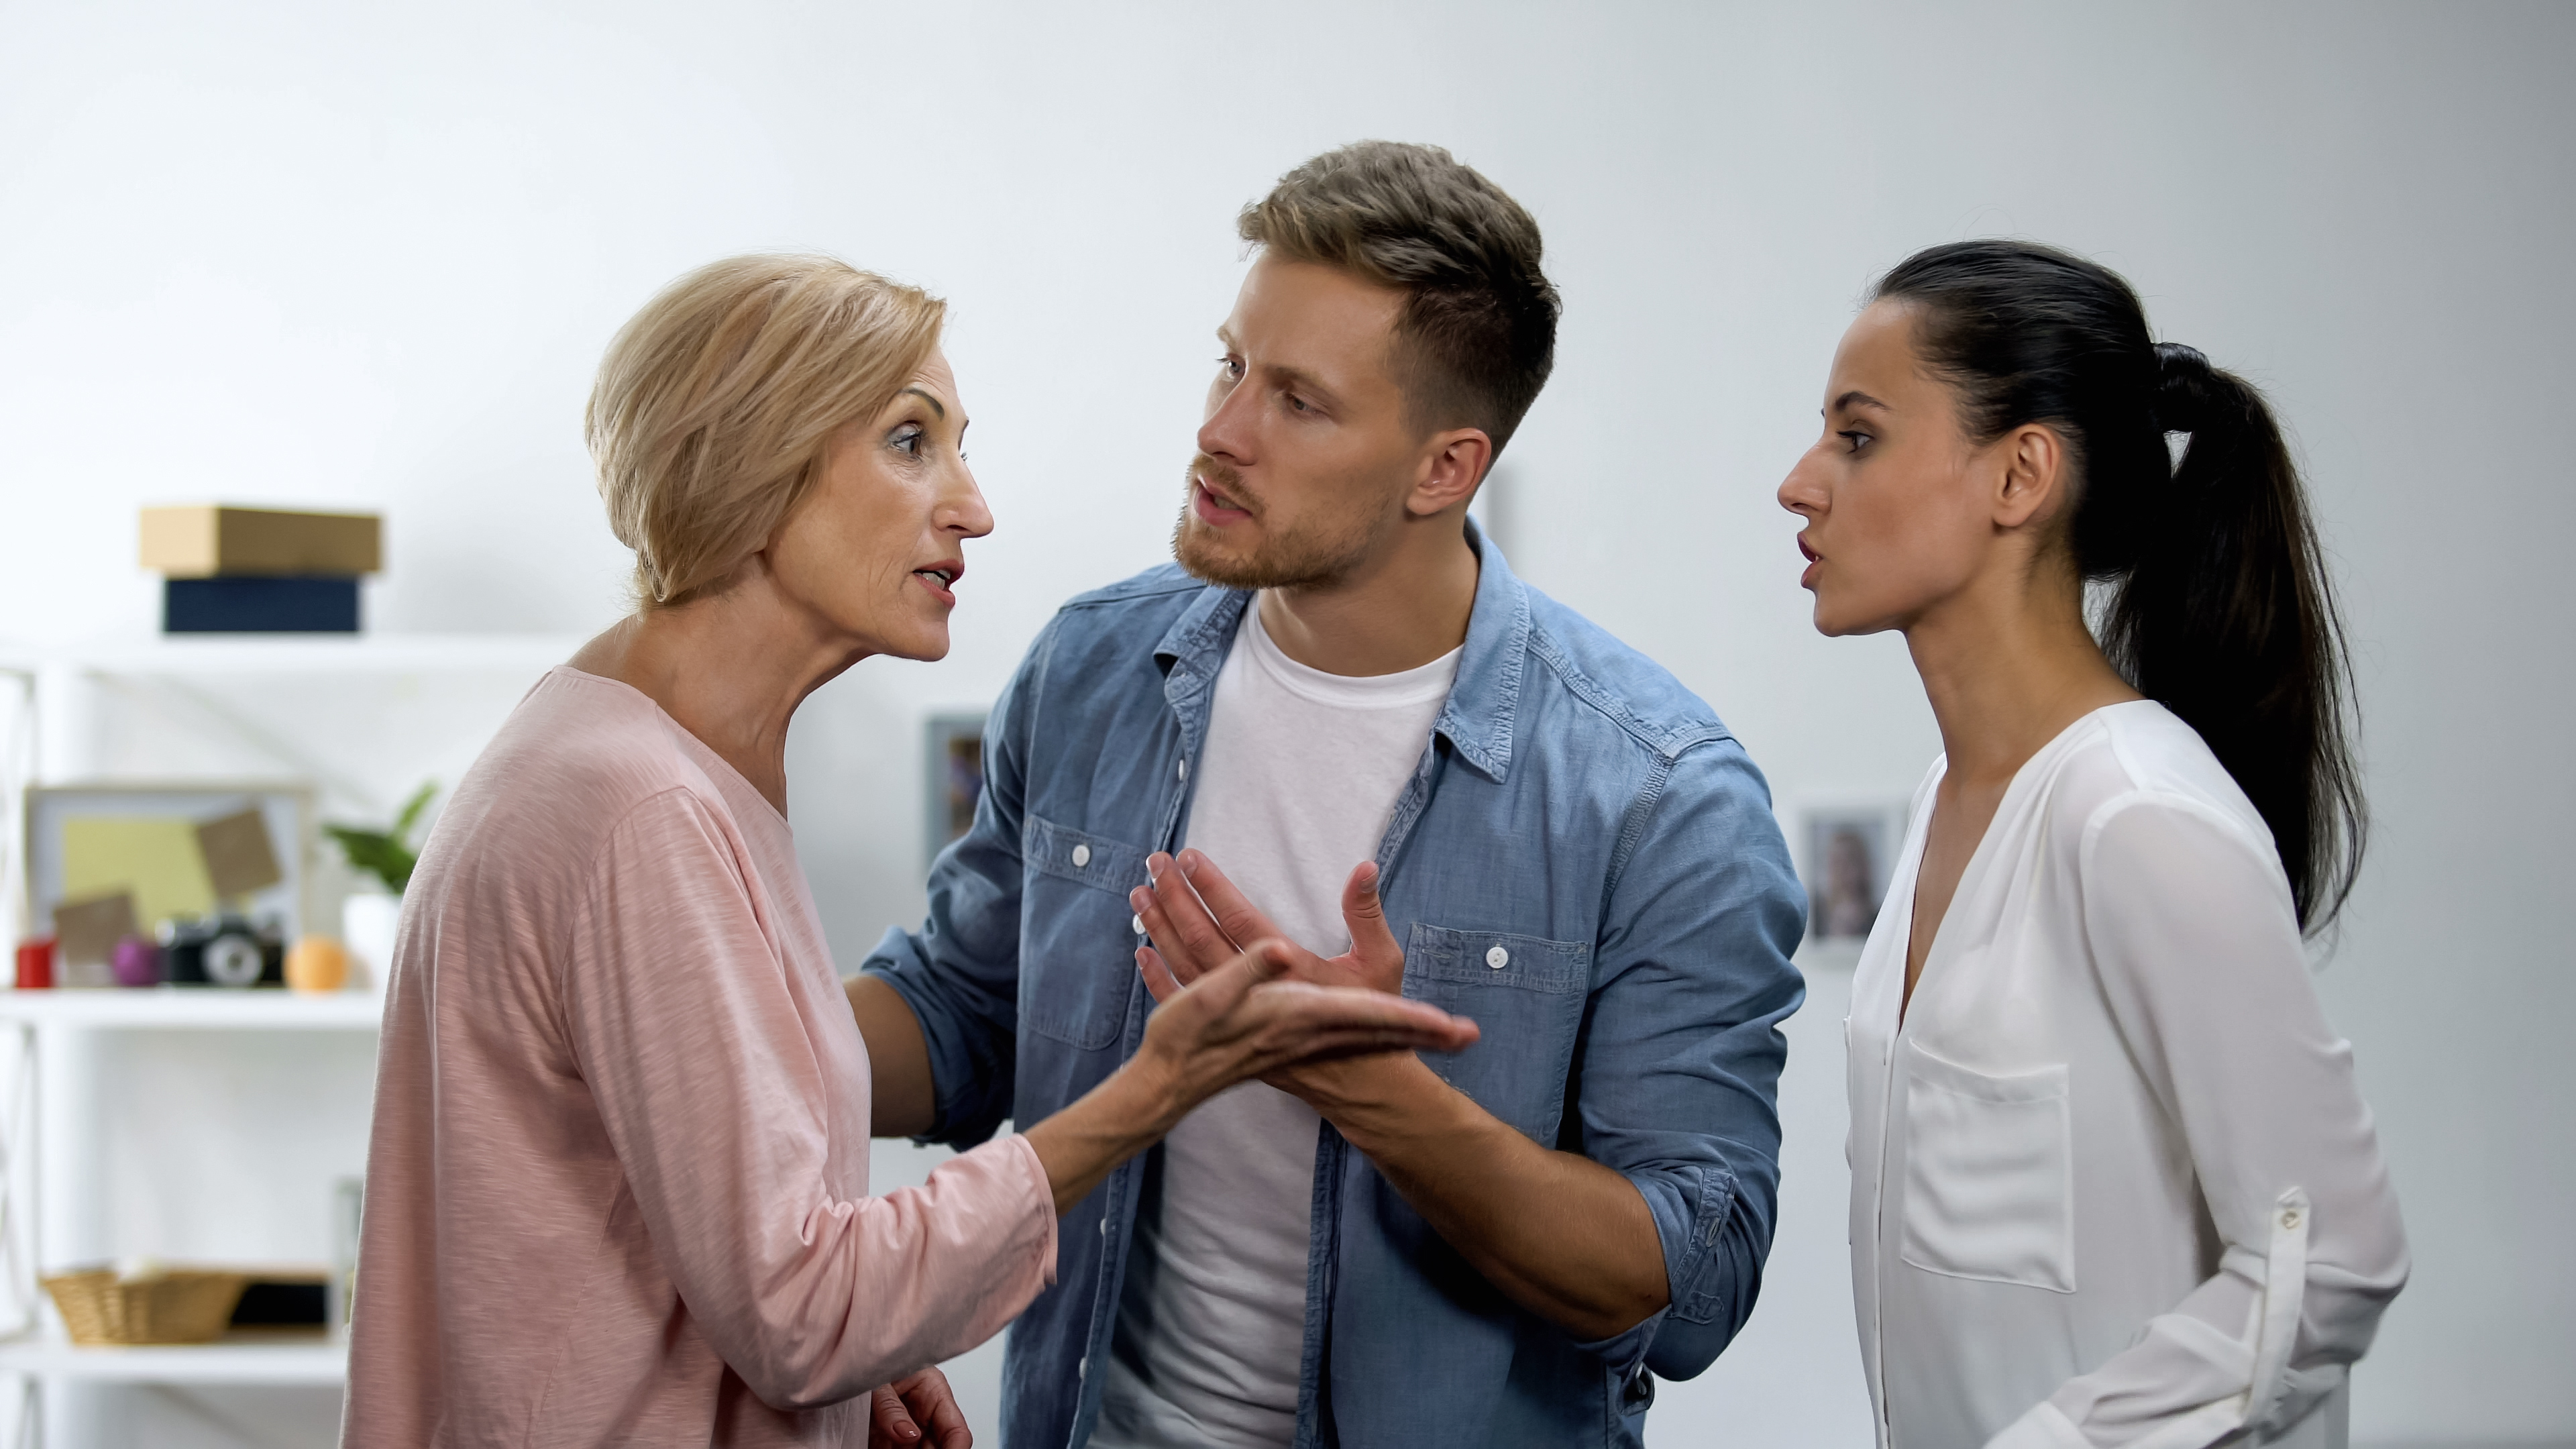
(876, 548)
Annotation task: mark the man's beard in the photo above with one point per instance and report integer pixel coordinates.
(1287, 559)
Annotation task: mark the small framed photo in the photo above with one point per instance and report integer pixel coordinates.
(955, 760)
(109, 861)
(1846, 853)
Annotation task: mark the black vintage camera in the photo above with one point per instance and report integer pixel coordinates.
(224, 950)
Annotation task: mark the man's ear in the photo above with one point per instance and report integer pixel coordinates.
(1452, 465)
(2031, 479)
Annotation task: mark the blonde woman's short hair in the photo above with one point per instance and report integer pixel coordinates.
(715, 404)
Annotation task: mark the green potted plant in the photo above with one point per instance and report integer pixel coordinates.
(388, 855)
(368, 920)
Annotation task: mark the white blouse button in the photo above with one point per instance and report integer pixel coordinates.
(1081, 856)
(1498, 958)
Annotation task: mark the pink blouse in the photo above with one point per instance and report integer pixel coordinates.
(618, 1185)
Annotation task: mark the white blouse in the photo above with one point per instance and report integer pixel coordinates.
(2112, 1181)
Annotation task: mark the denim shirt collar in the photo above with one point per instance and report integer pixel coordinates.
(1477, 720)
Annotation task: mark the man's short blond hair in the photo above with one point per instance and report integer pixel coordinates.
(715, 404)
(1476, 337)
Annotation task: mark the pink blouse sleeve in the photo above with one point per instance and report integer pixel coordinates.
(679, 1011)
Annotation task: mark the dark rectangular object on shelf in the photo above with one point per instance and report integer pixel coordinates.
(278, 605)
(283, 1303)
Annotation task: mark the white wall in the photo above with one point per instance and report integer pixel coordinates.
(368, 255)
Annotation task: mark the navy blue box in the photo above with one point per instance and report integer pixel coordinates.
(260, 605)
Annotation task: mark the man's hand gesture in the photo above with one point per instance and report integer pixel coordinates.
(1196, 917)
(1199, 921)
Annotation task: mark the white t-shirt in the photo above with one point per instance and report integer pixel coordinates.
(1295, 788)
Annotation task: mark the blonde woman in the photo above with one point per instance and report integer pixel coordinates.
(617, 1191)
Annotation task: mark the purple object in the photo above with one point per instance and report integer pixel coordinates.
(137, 962)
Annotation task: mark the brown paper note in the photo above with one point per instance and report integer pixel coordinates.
(239, 859)
(89, 930)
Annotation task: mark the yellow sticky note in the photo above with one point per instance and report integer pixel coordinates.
(155, 860)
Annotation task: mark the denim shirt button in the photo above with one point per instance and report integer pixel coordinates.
(1136, 924)
(1185, 769)
(1498, 958)
(1081, 856)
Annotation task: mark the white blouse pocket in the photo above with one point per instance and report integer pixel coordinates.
(1989, 1174)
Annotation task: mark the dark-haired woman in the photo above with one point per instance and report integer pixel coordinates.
(2112, 1180)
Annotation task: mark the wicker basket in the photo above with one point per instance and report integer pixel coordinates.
(178, 1305)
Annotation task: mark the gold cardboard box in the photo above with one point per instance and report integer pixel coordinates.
(205, 541)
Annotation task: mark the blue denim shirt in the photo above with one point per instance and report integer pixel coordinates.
(1575, 806)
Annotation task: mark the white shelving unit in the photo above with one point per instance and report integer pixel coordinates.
(314, 1364)
(59, 705)
(43, 1025)
(194, 1008)
(60, 698)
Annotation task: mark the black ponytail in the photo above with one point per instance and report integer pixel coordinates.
(2218, 606)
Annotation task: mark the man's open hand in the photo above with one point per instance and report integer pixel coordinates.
(1194, 915)
(1198, 921)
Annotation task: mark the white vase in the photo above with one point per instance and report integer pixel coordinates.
(367, 928)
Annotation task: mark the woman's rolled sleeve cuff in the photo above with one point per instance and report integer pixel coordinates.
(1036, 1196)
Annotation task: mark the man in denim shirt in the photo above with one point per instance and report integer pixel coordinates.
(1495, 1248)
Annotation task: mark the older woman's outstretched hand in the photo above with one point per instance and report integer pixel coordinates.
(1248, 1017)
(1230, 1025)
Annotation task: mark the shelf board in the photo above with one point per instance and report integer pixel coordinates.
(229, 654)
(299, 1360)
(195, 1008)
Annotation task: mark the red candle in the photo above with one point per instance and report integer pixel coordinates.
(36, 963)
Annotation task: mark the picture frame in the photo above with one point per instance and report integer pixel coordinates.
(285, 808)
(1846, 852)
(952, 778)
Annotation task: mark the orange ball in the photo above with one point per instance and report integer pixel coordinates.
(317, 963)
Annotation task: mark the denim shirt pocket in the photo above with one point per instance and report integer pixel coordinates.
(1526, 996)
(1077, 963)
